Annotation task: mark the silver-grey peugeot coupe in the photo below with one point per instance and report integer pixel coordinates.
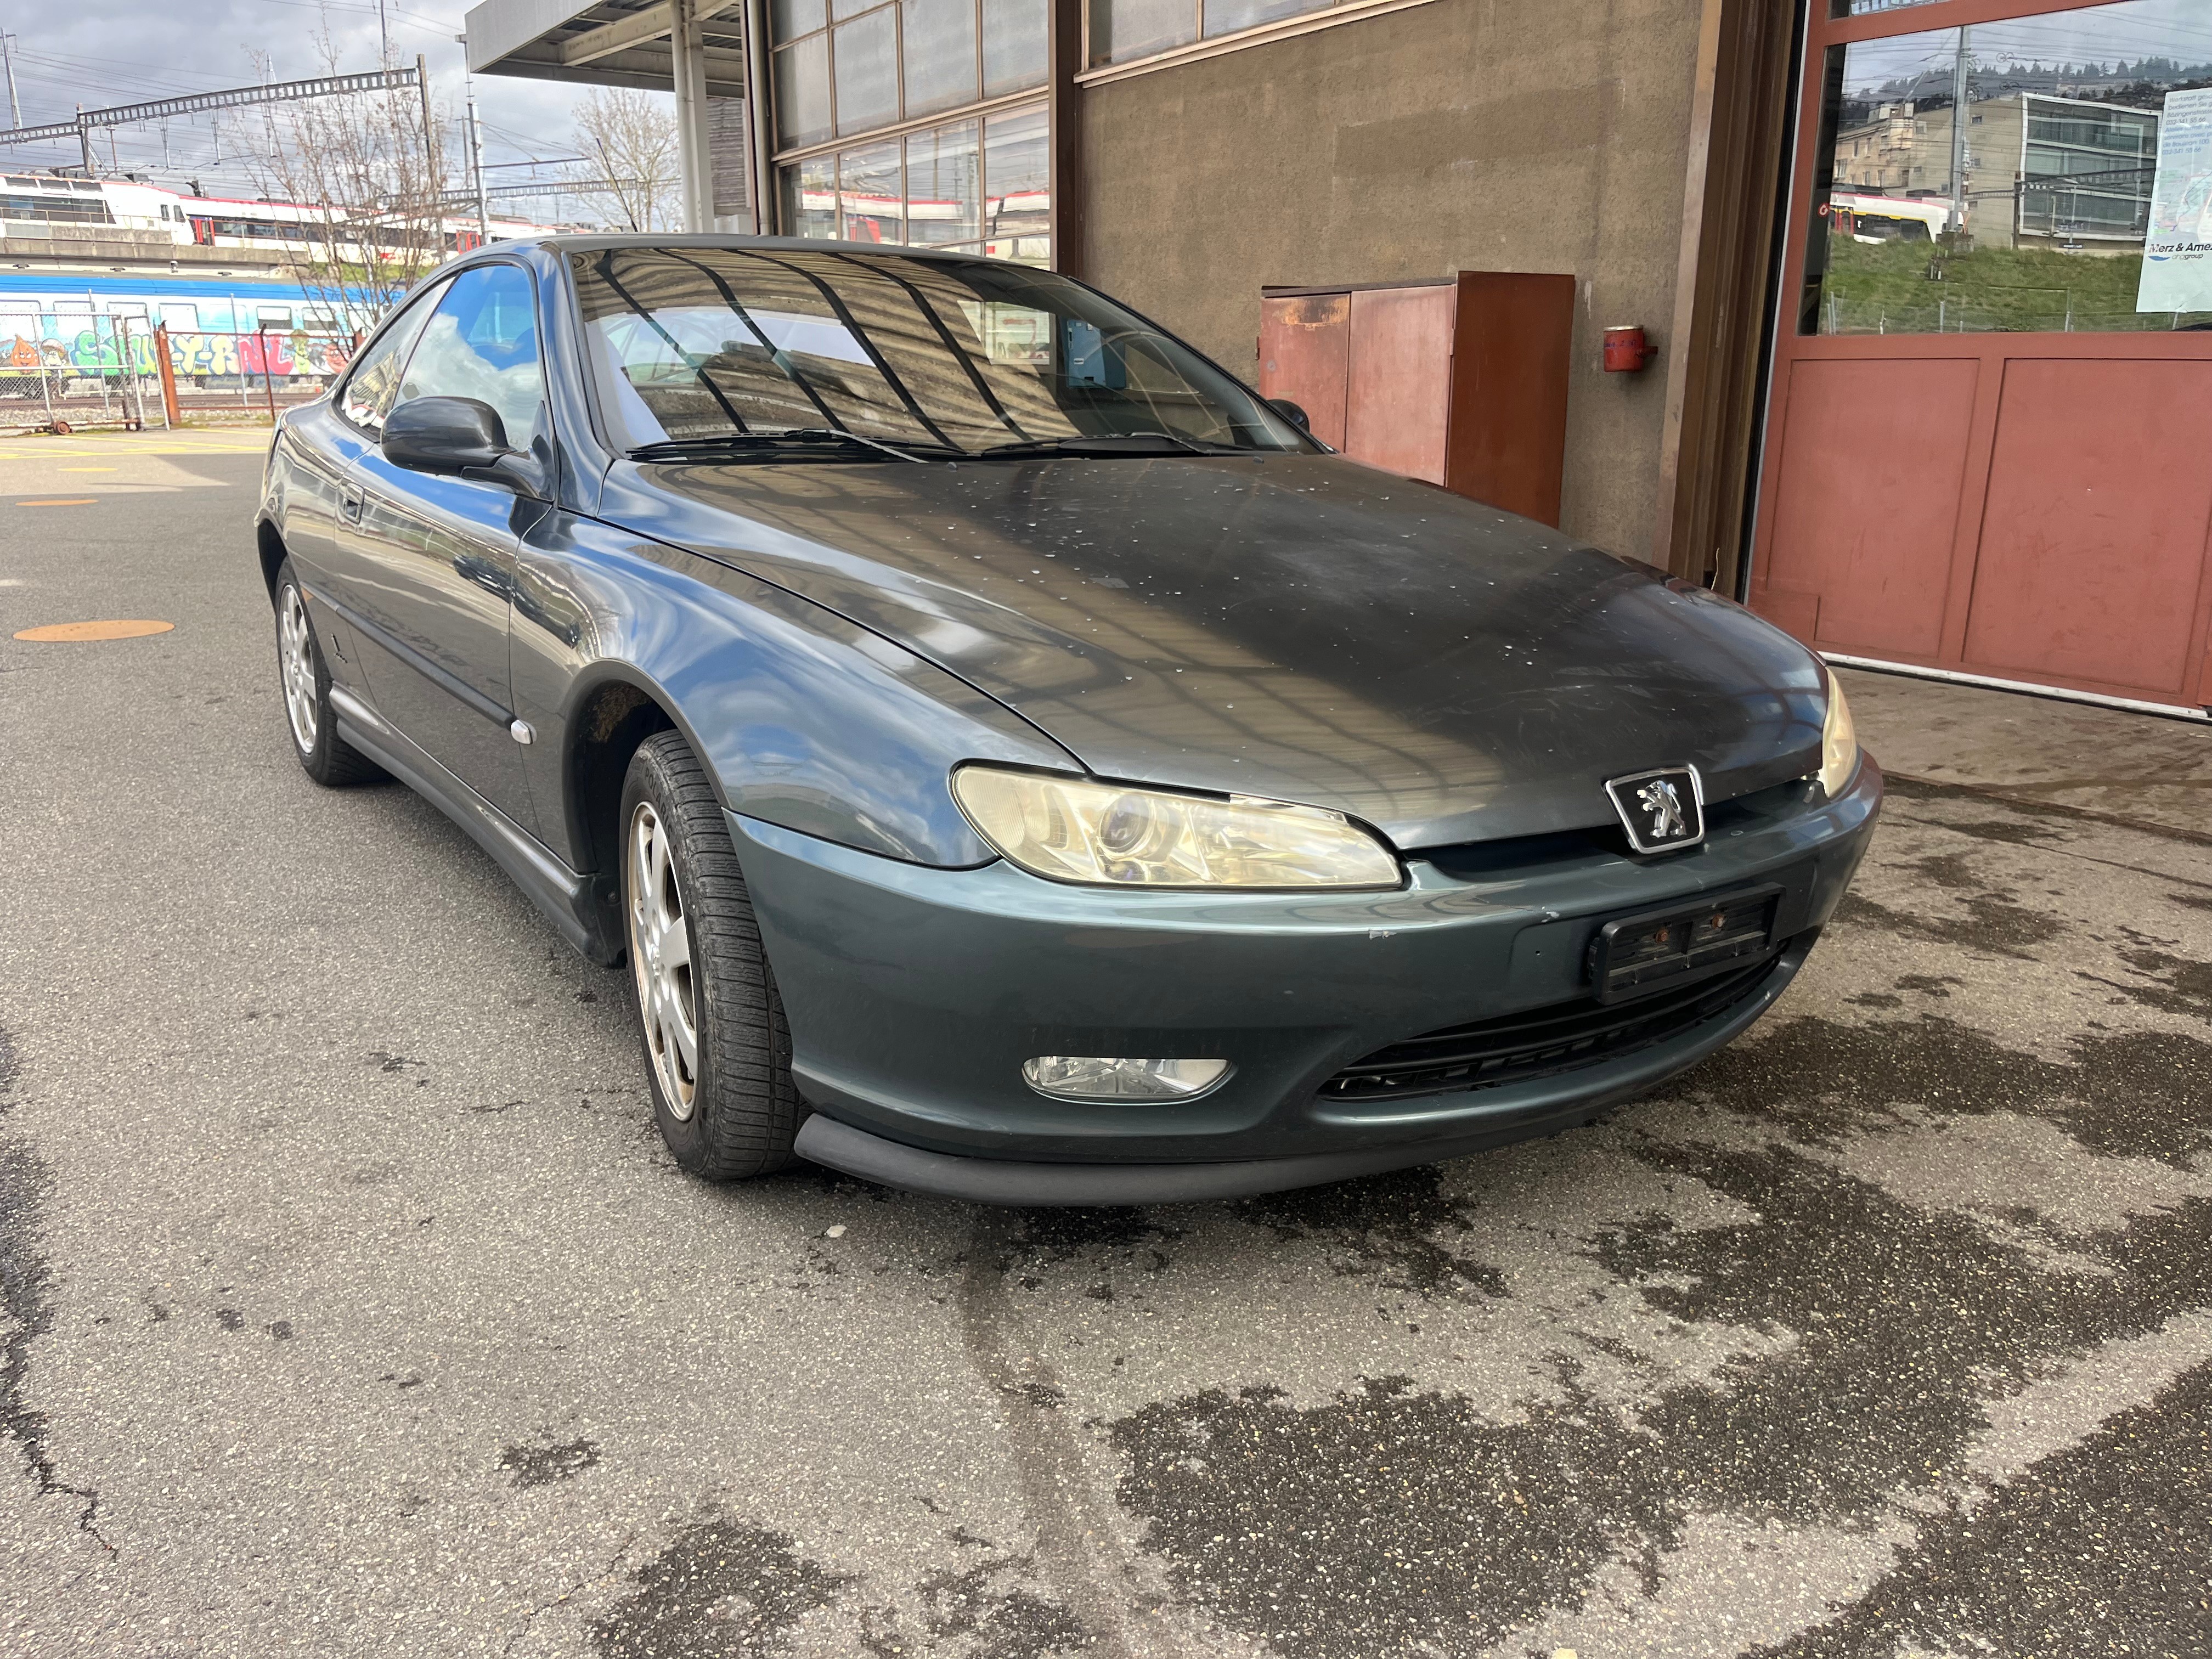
(1017, 761)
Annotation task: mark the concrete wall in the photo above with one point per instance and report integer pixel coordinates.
(1478, 135)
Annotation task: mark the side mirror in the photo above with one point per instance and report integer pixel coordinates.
(1293, 413)
(457, 437)
(444, 434)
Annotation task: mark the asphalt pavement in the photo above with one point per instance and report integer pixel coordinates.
(352, 1307)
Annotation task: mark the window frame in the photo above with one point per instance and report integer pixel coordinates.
(551, 431)
(429, 295)
(1259, 34)
(903, 122)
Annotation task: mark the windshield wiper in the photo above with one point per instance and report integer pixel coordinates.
(795, 442)
(1105, 444)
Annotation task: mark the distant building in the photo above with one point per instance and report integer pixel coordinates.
(2041, 170)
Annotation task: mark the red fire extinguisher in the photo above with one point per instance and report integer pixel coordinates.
(1627, 351)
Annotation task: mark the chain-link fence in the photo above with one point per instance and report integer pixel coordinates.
(111, 374)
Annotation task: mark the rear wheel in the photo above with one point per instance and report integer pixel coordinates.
(717, 1051)
(326, 757)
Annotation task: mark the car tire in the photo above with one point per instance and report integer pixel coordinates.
(717, 1050)
(305, 680)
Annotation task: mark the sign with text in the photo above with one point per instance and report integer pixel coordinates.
(2177, 267)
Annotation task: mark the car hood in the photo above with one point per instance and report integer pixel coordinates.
(1302, 628)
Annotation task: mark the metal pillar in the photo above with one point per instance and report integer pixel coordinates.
(695, 159)
(759, 120)
(475, 169)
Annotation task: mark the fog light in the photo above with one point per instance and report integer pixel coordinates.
(1090, 1077)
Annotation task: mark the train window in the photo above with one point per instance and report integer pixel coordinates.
(181, 315)
(273, 316)
(16, 182)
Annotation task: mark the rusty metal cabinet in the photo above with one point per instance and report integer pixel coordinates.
(1461, 380)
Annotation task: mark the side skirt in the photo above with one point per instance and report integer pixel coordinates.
(576, 904)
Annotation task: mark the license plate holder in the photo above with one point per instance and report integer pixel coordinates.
(1635, 956)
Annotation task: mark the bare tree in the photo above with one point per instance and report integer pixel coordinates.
(627, 140)
(369, 169)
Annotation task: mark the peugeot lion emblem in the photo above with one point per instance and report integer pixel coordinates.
(1662, 810)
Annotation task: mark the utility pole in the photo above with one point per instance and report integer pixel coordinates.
(476, 166)
(1961, 90)
(383, 37)
(14, 104)
(84, 143)
(431, 171)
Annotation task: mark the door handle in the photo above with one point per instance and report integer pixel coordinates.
(349, 504)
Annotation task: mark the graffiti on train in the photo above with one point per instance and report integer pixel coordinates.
(194, 354)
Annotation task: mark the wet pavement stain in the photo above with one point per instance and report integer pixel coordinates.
(719, 1589)
(1389, 1522)
(1384, 1227)
(968, 1613)
(1904, 1322)
(2179, 985)
(1993, 922)
(2103, 1549)
(541, 1465)
(25, 1299)
(2128, 1094)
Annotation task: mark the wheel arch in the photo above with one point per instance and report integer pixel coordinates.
(269, 543)
(614, 712)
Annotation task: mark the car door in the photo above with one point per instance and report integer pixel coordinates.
(332, 437)
(434, 556)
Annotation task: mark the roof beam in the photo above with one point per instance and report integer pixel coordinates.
(635, 30)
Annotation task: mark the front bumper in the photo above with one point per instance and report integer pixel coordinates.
(913, 995)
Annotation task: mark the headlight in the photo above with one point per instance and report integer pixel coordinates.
(1103, 834)
(1839, 742)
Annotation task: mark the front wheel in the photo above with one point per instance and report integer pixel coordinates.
(326, 757)
(717, 1051)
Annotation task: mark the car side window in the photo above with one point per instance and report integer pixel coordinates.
(482, 342)
(374, 386)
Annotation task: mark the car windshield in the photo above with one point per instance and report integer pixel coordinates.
(705, 347)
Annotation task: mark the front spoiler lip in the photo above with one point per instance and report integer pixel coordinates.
(855, 1152)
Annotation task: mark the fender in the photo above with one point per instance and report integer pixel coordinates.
(803, 717)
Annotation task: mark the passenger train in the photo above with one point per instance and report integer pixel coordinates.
(53, 318)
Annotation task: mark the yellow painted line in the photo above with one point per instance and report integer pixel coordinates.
(72, 633)
(63, 500)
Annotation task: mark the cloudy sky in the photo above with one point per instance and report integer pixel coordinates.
(99, 52)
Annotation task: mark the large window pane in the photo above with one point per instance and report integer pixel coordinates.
(1124, 29)
(1227, 16)
(866, 61)
(1017, 181)
(2081, 135)
(872, 194)
(810, 197)
(944, 201)
(939, 44)
(802, 91)
(789, 19)
(1015, 45)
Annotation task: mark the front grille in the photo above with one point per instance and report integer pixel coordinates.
(1518, 1046)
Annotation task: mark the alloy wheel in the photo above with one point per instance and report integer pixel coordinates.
(660, 955)
(295, 656)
